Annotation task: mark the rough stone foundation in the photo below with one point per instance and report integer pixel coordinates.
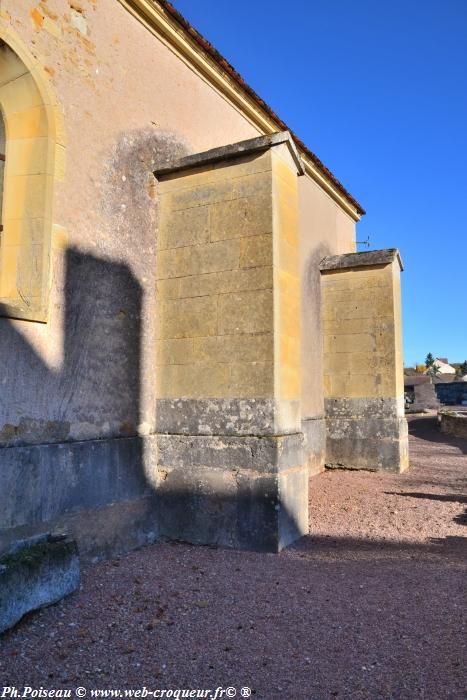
(101, 491)
(365, 434)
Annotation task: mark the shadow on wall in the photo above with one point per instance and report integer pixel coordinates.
(56, 462)
(95, 393)
(76, 462)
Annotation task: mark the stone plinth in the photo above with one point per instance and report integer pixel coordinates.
(363, 370)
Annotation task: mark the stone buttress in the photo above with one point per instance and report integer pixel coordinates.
(230, 461)
(363, 365)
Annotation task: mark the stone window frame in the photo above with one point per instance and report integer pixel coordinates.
(34, 162)
(2, 165)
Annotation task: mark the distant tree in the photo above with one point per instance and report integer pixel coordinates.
(429, 360)
(433, 370)
(464, 368)
(420, 369)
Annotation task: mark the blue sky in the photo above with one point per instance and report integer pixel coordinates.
(378, 90)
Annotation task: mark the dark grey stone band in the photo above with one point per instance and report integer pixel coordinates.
(259, 454)
(382, 407)
(237, 417)
(42, 482)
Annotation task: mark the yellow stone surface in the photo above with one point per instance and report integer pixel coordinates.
(28, 156)
(196, 259)
(228, 286)
(361, 313)
(246, 312)
(187, 318)
(256, 251)
(245, 216)
(184, 228)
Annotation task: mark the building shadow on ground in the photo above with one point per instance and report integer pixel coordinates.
(427, 428)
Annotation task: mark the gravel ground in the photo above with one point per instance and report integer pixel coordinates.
(370, 605)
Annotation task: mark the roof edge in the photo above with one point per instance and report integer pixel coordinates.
(163, 20)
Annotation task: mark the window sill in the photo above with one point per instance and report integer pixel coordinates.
(24, 313)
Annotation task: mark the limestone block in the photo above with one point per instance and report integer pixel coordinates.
(187, 318)
(202, 195)
(246, 312)
(200, 259)
(28, 156)
(195, 380)
(253, 185)
(30, 194)
(246, 216)
(235, 348)
(20, 95)
(11, 67)
(349, 342)
(255, 379)
(170, 289)
(248, 173)
(176, 351)
(256, 251)
(184, 228)
(29, 123)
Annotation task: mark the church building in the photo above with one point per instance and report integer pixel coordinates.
(188, 336)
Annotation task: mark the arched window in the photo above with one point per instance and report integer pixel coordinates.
(28, 146)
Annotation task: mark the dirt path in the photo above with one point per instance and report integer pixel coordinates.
(371, 605)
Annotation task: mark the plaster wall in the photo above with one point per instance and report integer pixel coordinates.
(325, 229)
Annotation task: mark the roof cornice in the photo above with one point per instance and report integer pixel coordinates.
(168, 27)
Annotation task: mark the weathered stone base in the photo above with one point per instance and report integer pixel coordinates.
(117, 494)
(239, 492)
(236, 417)
(366, 434)
(36, 574)
(99, 491)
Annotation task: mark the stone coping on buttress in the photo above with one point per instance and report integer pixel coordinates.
(233, 150)
(363, 259)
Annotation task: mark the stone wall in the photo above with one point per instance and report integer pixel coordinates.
(453, 423)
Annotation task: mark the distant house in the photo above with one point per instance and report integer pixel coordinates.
(443, 366)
